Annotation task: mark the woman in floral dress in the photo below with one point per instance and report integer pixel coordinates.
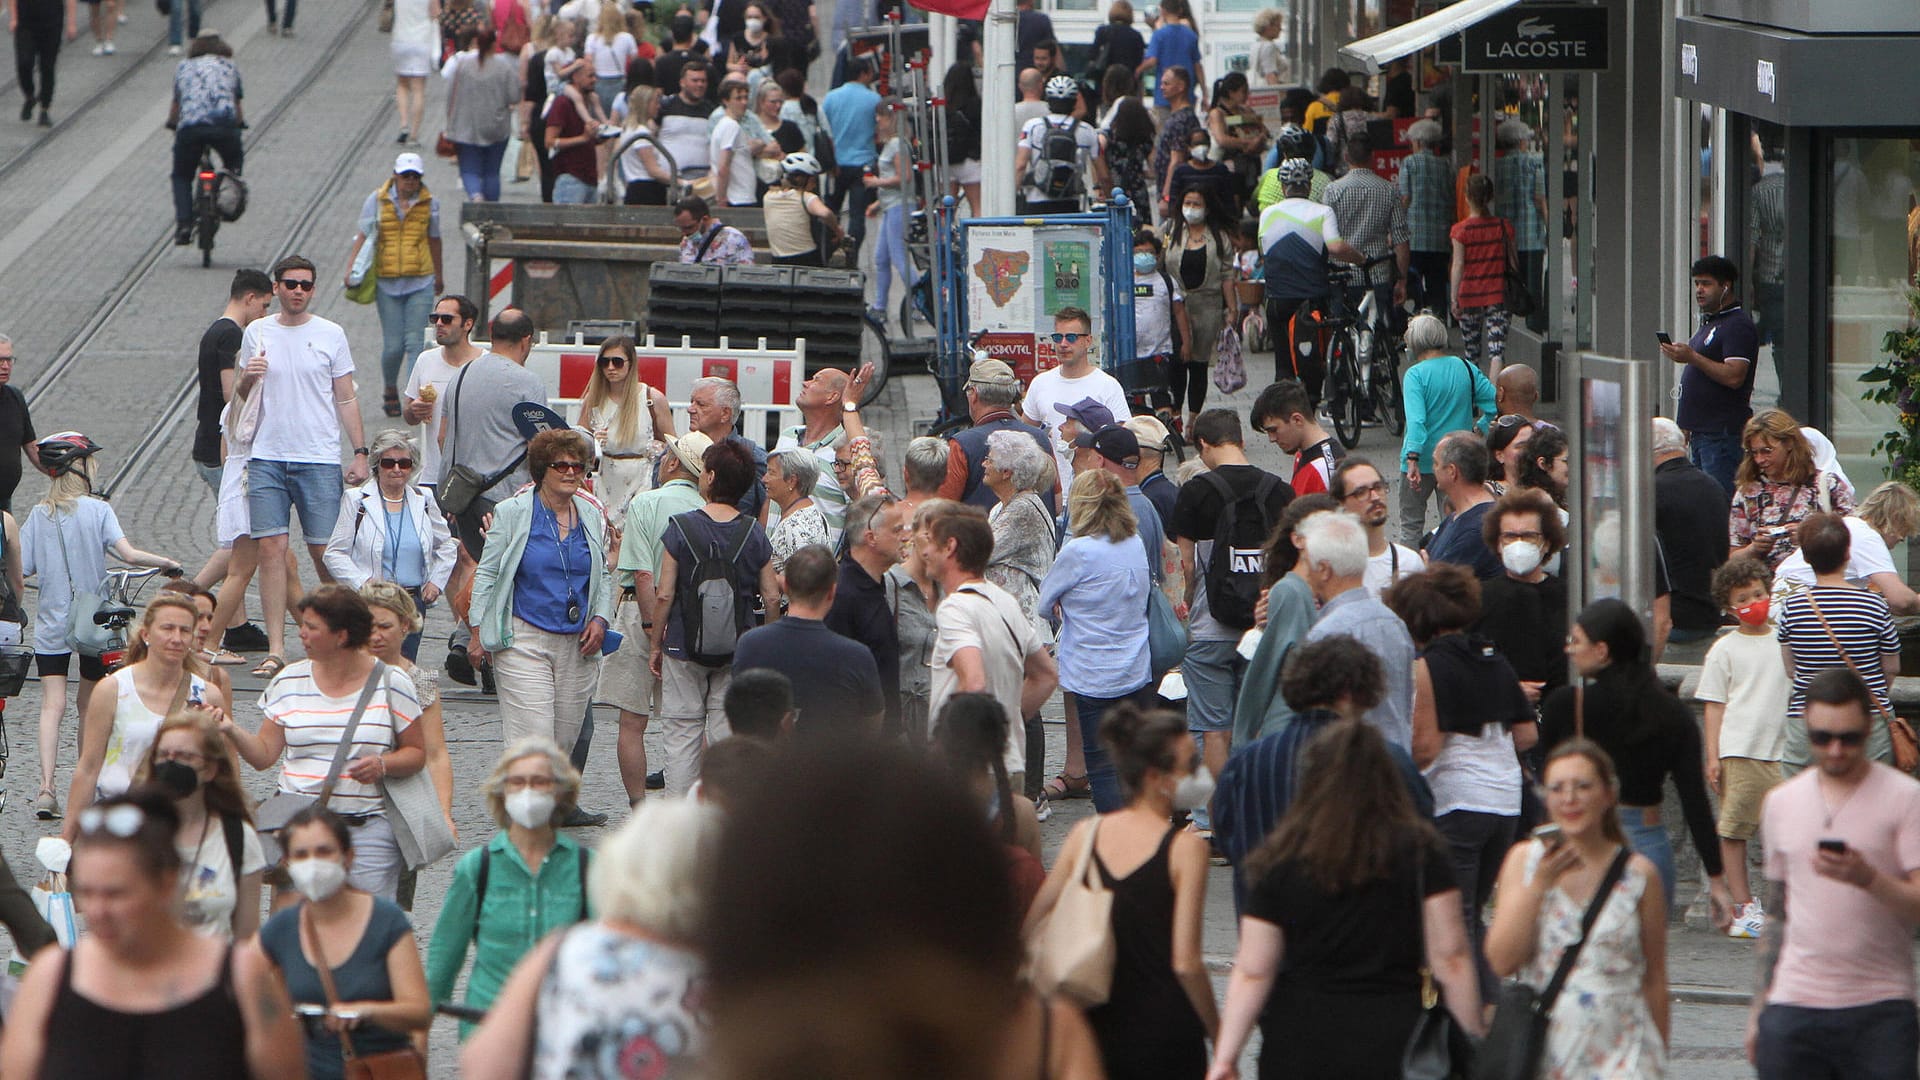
(1778, 485)
(1612, 1017)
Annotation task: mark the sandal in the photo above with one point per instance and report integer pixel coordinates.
(390, 402)
(1068, 787)
(222, 656)
(273, 665)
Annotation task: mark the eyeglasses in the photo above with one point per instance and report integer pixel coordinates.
(443, 320)
(303, 284)
(396, 463)
(568, 466)
(537, 783)
(1845, 738)
(1067, 339)
(1377, 488)
(122, 821)
(613, 360)
(185, 757)
(840, 465)
(1534, 537)
(1570, 787)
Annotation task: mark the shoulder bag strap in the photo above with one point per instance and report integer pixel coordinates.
(707, 243)
(1580, 709)
(374, 679)
(325, 971)
(453, 443)
(1572, 955)
(1814, 606)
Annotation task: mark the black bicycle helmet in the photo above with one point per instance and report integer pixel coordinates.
(61, 453)
(1294, 142)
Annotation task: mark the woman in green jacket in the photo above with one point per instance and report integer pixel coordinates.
(527, 881)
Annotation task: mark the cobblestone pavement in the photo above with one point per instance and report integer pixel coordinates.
(95, 205)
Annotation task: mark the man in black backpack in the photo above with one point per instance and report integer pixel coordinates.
(1221, 522)
(1056, 154)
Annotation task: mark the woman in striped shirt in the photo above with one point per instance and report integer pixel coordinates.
(307, 708)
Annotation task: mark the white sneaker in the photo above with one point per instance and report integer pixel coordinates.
(1042, 809)
(99, 50)
(173, 50)
(109, 48)
(1748, 922)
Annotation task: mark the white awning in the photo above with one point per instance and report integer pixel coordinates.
(1376, 52)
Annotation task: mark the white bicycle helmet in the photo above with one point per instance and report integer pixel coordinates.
(1061, 88)
(800, 162)
(1296, 172)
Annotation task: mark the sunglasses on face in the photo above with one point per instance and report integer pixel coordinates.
(1067, 339)
(1845, 738)
(613, 360)
(302, 284)
(443, 320)
(121, 821)
(568, 467)
(396, 463)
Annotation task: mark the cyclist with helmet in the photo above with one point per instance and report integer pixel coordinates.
(1054, 155)
(206, 112)
(1296, 237)
(1292, 144)
(65, 542)
(801, 227)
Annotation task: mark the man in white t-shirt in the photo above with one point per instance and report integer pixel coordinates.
(433, 371)
(982, 643)
(733, 176)
(1073, 380)
(304, 369)
(1362, 491)
(1836, 989)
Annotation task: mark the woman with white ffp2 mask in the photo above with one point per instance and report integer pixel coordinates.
(527, 881)
(379, 992)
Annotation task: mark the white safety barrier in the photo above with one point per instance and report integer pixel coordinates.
(769, 379)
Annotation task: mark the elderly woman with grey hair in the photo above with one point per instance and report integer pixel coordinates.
(1443, 393)
(1023, 530)
(1426, 190)
(595, 989)
(529, 880)
(391, 529)
(791, 475)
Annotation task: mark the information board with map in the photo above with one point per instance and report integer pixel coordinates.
(1017, 277)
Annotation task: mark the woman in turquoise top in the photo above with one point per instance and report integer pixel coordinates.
(526, 882)
(1443, 393)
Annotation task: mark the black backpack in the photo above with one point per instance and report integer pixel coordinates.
(1237, 562)
(711, 618)
(1056, 170)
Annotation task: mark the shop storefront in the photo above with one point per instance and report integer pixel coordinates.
(1810, 150)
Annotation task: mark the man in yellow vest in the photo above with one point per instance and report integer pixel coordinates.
(402, 218)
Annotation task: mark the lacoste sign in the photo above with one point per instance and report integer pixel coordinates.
(1538, 37)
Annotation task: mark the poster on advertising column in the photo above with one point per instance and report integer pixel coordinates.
(1017, 277)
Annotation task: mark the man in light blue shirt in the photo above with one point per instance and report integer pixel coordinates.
(1334, 547)
(849, 110)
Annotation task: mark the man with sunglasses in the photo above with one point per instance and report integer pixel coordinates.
(303, 368)
(1074, 378)
(433, 371)
(1835, 995)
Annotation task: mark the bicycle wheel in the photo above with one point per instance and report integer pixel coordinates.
(874, 350)
(1389, 406)
(1343, 397)
(208, 224)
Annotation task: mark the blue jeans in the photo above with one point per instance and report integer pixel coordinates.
(890, 254)
(480, 169)
(187, 11)
(410, 648)
(570, 189)
(402, 319)
(1717, 453)
(275, 489)
(1088, 712)
(1651, 841)
(1867, 1042)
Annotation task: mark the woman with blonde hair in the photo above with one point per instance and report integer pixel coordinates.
(1889, 515)
(633, 968)
(64, 543)
(1776, 487)
(628, 418)
(161, 676)
(529, 880)
(221, 861)
(611, 48)
(640, 163)
(396, 620)
(1098, 586)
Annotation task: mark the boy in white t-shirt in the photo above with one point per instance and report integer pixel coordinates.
(1745, 688)
(1074, 380)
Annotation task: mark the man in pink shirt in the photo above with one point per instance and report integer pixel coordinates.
(1836, 993)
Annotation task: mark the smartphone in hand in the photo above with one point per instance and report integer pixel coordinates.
(1665, 338)
(1838, 847)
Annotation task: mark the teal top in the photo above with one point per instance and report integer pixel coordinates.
(1442, 393)
(1290, 614)
(522, 907)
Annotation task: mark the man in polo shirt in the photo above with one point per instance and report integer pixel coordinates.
(876, 534)
(836, 684)
(1716, 386)
(991, 391)
(625, 684)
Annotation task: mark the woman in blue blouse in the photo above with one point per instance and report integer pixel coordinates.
(1099, 584)
(542, 597)
(526, 882)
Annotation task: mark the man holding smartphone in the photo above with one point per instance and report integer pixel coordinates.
(1716, 386)
(1836, 988)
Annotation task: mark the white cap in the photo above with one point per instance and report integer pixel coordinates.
(409, 163)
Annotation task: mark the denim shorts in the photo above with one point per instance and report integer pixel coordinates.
(275, 489)
(1213, 670)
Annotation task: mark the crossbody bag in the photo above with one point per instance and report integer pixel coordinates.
(464, 484)
(1906, 743)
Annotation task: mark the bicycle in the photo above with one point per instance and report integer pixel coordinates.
(1363, 357)
(218, 195)
(119, 605)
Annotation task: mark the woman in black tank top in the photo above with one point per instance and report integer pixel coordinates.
(143, 995)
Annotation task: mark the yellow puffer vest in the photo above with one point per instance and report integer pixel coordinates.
(402, 248)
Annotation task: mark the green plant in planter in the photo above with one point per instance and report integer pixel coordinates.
(1898, 384)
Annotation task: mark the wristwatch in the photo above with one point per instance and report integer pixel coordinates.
(850, 406)
(359, 451)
